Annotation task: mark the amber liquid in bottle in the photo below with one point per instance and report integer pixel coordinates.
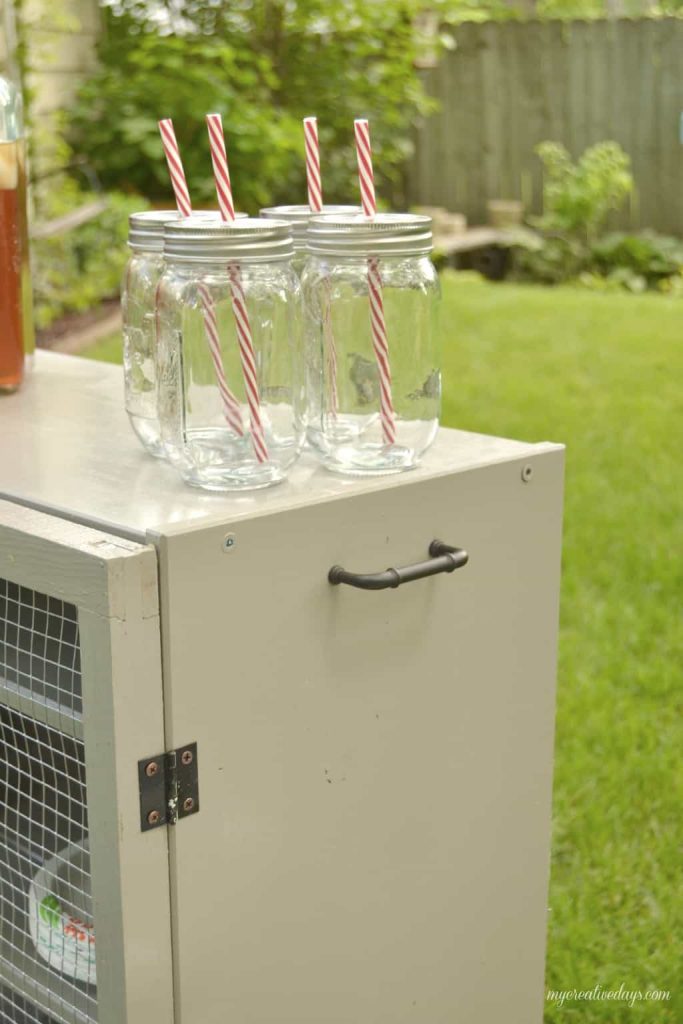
(13, 255)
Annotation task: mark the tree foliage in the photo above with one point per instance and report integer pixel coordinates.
(263, 65)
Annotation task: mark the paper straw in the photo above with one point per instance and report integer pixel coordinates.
(231, 407)
(247, 356)
(221, 174)
(380, 342)
(315, 203)
(366, 176)
(315, 190)
(245, 338)
(175, 167)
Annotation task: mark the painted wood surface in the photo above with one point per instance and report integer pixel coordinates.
(373, 841)
(68, 448)
(113, 584)
(508, 86)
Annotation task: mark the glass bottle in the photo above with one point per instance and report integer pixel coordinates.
(16, 306)
(347, 421)
(231, 411)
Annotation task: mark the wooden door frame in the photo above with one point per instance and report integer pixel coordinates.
(113, 584)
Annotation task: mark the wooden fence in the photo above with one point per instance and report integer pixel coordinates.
(508, 86)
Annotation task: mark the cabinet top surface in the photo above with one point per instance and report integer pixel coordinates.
(67, 448)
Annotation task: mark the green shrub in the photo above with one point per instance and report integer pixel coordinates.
(550, 260)
(75, 271)
(616, 262)
(577, 198)
(672, 286)
(618, 280)
(263, 67)
(153, 77)
(648, 255)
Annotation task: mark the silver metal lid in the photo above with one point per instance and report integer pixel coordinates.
(386, 234)
(248, 240)
(146, 229)
(299, 217)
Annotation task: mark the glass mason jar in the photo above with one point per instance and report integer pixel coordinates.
(372, 353)
(231, 389)
(298, 217)
(138, 308)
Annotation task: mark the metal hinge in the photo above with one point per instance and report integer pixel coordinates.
(169, 787)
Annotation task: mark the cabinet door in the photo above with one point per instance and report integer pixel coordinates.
(372, 844)
(84, 902)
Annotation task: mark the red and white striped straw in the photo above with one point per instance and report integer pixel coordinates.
(315, 203)
(175, 167)
(245, 338)
(380, 342)
(231, 407)
(313, 180)
(221, 174)
(366, 176)
(248, 358)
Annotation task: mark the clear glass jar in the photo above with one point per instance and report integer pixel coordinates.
(298, 217)
(231, 410)
(372, 407)
(138, 308)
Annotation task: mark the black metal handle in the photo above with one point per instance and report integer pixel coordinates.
(444, 558)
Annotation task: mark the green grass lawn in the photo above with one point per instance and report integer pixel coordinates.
(601, 373)
(107, 350)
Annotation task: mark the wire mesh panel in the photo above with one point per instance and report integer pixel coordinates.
(18, 1010)
(47, 939)
(40, 656)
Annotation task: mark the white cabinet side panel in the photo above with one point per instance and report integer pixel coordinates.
(374, 767)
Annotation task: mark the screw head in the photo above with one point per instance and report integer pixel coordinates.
(151, 769)
(527, 473)
(153, 818)
(186, 757)
(188, 804)
(229, 542)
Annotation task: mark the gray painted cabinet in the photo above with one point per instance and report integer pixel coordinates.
(371, 839)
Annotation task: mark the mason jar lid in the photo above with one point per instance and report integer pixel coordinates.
(146, 229)
(386, 234)
(249, 240)
(299, 217)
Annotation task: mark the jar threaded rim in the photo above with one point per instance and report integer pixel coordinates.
(385, 234)
(248, 240)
